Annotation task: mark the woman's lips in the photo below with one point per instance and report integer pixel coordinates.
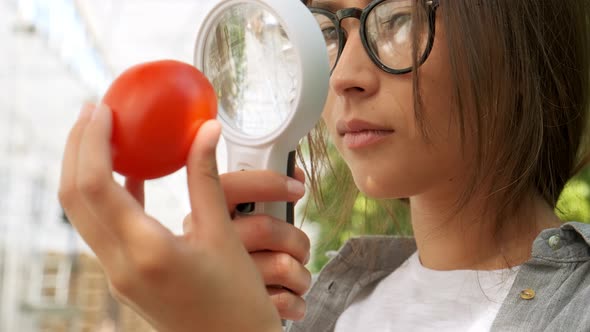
(358, 133)
(360, 139)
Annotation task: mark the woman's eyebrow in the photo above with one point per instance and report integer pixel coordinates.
(329, 5)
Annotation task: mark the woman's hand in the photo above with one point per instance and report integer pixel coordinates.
(204, 280)
(279, 250)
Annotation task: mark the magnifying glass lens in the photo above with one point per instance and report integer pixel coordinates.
(253, 68)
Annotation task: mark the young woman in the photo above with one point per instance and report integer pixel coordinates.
(474, 110)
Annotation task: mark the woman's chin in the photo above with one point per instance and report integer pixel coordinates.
(376, 190)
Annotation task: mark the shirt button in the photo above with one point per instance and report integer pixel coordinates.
(527, 294)
(554, 242)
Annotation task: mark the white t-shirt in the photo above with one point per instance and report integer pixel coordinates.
(414, 298)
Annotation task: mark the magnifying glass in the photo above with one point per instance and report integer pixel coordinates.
(268, 62)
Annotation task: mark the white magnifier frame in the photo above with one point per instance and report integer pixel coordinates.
(275, 150)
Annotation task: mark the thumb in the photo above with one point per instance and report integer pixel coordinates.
(209, 209)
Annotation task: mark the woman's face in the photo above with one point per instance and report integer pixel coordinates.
(370, 117)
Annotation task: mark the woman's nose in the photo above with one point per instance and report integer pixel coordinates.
(355, 75)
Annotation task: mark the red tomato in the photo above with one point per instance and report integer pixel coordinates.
(158, 107)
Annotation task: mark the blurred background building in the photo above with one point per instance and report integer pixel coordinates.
(55, 55)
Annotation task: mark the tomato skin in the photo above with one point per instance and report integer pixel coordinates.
(158, 107)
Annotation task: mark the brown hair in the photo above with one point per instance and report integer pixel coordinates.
(521, 85)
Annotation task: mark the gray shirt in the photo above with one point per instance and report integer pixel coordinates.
(551, 291)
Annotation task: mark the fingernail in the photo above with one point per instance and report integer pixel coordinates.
(187, 227)
(86, 111)
(302, 310)
(96, 110)
(295, 187)
(307, 258)
(213, 142)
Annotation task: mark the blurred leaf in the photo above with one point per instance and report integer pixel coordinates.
(574, 202)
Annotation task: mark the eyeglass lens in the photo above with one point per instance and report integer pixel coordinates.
(389, 29)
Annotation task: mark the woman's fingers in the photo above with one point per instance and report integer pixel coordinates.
(299, 175)
(261, 232)
(260, 186)
(283, 270)
(290, 306)
(81, 217)
(104, 197)
(70, 157)
(209, 214)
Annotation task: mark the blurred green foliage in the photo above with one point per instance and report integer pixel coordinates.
(574, 202)
(370, 216)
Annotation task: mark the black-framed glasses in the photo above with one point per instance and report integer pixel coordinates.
(388, 29)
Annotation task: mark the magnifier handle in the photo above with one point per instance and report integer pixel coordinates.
(291, 172)
(290, 206)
